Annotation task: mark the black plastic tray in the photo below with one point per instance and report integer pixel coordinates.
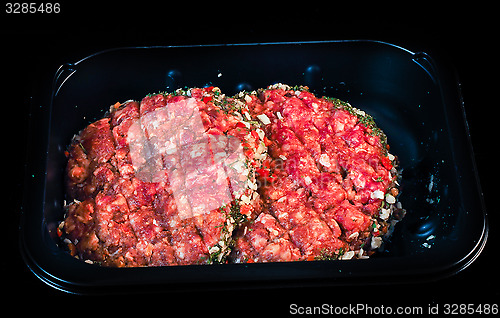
(414, 99)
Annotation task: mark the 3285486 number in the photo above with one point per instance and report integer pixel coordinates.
(471, 309)
(32, 7)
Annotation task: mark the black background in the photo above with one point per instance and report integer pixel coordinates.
(34, 45)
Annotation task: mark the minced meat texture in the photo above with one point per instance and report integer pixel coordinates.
(195, 177)
(138, 200)
(329, 171)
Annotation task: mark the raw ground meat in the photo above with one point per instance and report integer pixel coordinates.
(195, 177)
(327, 179)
